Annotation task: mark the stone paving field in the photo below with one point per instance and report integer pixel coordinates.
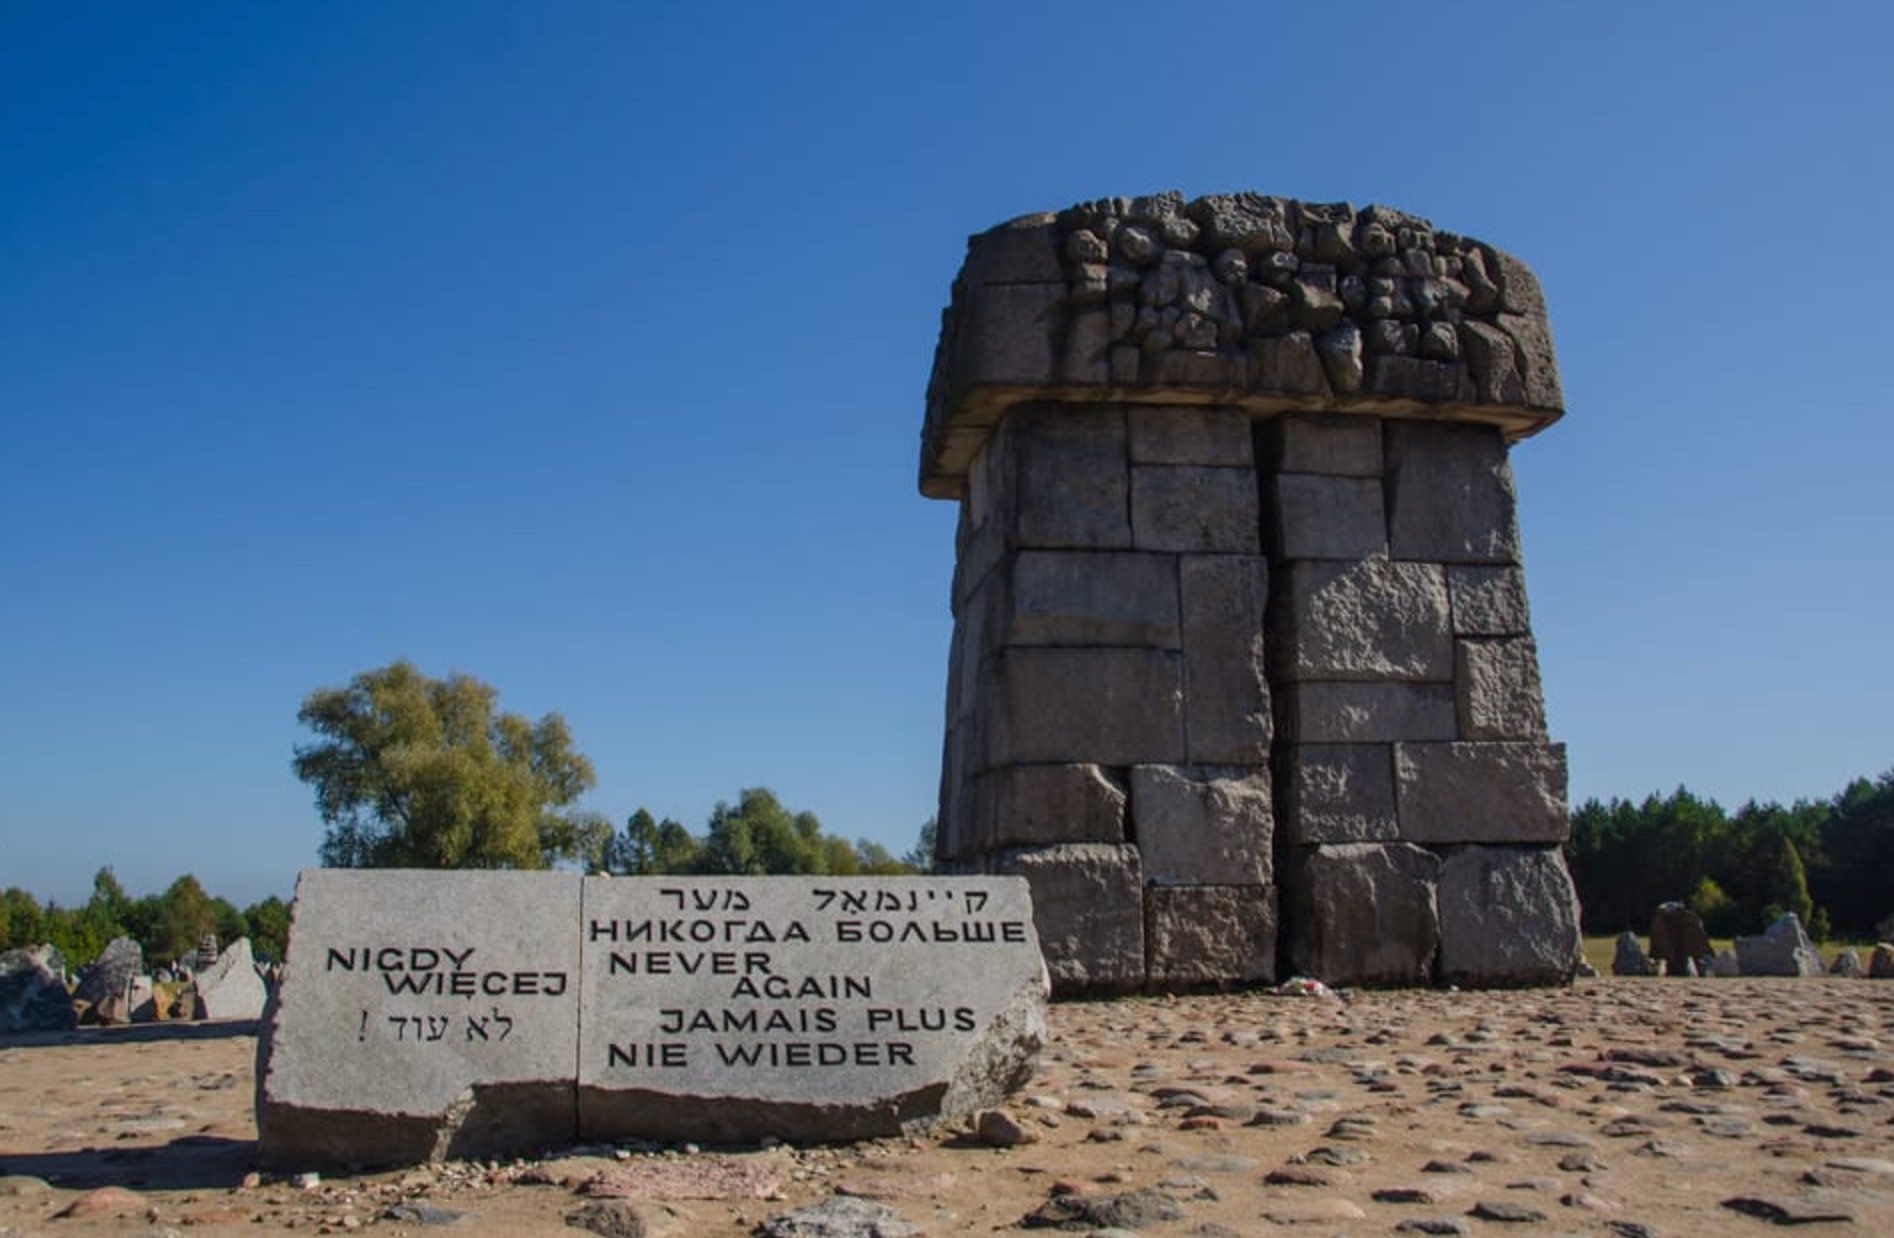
(1619, 1108)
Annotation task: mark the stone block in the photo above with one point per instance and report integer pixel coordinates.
(1450, 494)
(1038, 805)
(111, 972)
(1077, 597)
(1678, 938)
(1009, 335)
(1363, 914)
(1189, 508)
(1496, 689)
(422, 1015)
(230, 988)
(1286, 365)
(1481, 792)
(1190, 434)
(1508, 917)
(1493, 362)
(1338, 793)
(1210, 935)
(1203, 825)
(1370, 619)
(1365, 713)
(1088, 907)
(1488, 601)
(1104, 706)
(1537, 365)
(1337, 444)
(1023, 251)
(727, 1009)
(1069, 480)
(33, 998)
(1410, 379)
(1314, 516)
(1086, 356)
(1782, 949)
(1226, 688)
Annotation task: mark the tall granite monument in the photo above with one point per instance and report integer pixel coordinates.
(1242, 678)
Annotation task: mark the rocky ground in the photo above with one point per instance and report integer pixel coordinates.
(1619, 1108)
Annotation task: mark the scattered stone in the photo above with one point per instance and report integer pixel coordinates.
(418, 1213)
(32, 997)
(110, 976)
(998, 1129)
(838, 1216)
(1511, 1213)
(102, 1202)
(1783, 949)
(1312, 1212)
(1679, 941)
(1790, 1209)
(1133, 1210)
(695, 1177)
(1628, 958)
(230, 987)
(1881, 961)
(1444, 1226)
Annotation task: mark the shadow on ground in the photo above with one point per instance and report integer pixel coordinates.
(130, 1034)
(193, 1162)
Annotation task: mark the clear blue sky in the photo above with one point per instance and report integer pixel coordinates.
(581, 347)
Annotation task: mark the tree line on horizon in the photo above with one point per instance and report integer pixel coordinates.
(1826, 860)
(167, 926)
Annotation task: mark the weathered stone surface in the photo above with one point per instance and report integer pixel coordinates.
(1068, 481)
(1493, 362)
(230, 988)
(1366, 713)
(1035, 805)
(111, 973)
(1020, 251)
(1481, 792)
(1203, 825)
(1508, 916)
(1010, 335)
(1496, 686)
(1076, 597)
(1088, 907)
(1312, 516)
(1782, 949)
(1191, 508)
(1102, 706)
(1337, 444)
(1488, 601)
(803, 1008)
(1188, 434)
(1363, 913)
(1628, 957)
(32, 996)
(1881, 961)
(1339, 793)
(1369, 619)
(1533, 355)
(1678, 939)
(1211, 934)
(1450, 494)
(838, 1216)
(422, 1015)
(1226, 689)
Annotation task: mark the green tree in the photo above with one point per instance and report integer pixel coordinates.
(186, 914)
(649, 847)
(758, 835)
(921, 858)
(21, 920)
(1857, 838)
(269, 927)
(420, 772)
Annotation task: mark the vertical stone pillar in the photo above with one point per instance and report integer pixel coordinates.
(1237, 599)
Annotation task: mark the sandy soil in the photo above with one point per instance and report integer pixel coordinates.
(1618, 1107)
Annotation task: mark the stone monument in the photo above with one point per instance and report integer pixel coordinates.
(433, 1014)
(1242, 677)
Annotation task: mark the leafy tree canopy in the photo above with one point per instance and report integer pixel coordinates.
(411, 771)
(756, 835)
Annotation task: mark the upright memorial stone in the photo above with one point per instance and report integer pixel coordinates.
(724, 1009)
(422, 1015)
(1241, 649)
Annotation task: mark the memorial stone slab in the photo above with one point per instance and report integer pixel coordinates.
(425, 1015)
(720, 1009)
(422, 1015)
(230, 987)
